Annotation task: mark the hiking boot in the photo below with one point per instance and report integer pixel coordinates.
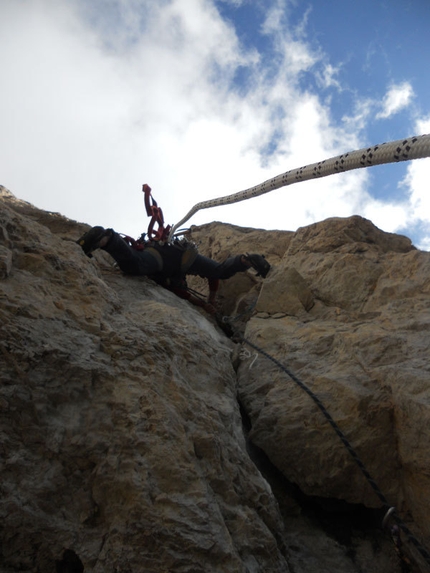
(93, 239)
(259, 263)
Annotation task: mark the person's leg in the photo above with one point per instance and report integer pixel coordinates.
(208, 268)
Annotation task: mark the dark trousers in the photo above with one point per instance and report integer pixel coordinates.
(166, 261)
(210, 269)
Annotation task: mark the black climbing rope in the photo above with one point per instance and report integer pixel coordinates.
(391, 512)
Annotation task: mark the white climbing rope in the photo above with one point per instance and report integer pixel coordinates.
(401, 150)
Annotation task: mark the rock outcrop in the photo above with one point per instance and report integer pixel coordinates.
(346, 309)
(138, 437)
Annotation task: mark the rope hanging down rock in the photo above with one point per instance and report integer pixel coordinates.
(390, 510)
(415, 147)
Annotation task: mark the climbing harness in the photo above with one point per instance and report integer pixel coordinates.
(158, 233)
(156, 237)
(391, 511)
(393, 152)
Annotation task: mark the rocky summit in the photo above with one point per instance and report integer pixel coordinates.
(140, 434)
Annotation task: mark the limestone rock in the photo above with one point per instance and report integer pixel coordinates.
(345, 307)
(121, 435)
(363, 350)
(221, 240)
(5, 262)
(122, 439)
(285, 291)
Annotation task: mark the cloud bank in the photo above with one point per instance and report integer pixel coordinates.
(99, 98)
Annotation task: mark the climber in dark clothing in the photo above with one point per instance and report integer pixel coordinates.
(167, 263)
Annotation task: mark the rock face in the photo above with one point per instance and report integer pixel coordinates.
(363, 349)
(121, 432)
(123, 446)
(346, 309)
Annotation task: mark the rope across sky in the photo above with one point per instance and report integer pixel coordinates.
(401, 150)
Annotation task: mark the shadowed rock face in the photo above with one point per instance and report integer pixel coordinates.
(122, 443)
(122, 434)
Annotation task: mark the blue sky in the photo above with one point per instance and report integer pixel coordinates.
(203, 98)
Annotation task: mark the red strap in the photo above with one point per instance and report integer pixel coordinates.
(156, 214)
(134, 244)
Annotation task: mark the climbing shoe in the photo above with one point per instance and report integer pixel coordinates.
(259, 263)
(93, 239)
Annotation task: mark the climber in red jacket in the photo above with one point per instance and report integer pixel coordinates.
(168, 263)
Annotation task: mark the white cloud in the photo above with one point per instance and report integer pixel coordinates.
(235, 3)
(388, 216)
(362, 111)
(294, 53)
(424, 244)
(397, 98)
(366, 108)
(327, 77)
(416, 183)
(99, 98)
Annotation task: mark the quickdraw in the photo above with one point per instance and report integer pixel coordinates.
(161, 233)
